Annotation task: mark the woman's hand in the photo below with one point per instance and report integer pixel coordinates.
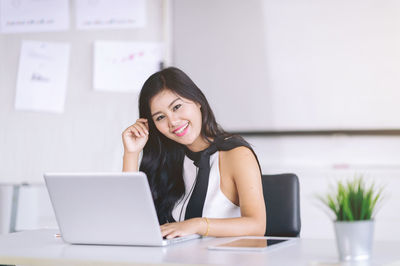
(136, 136)
(187, 227)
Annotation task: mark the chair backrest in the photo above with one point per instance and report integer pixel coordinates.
(282, 203)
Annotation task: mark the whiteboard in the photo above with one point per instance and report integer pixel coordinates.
(278, 65)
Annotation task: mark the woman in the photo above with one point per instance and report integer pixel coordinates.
(203, 180)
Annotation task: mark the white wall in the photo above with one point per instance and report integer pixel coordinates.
(293, 64)
(6, 193)
(87, 136)
(320, 161)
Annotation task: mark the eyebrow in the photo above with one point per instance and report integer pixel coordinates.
(169, 106)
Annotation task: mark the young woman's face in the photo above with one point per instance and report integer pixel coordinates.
(178, 118)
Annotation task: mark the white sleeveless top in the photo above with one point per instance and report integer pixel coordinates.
(216, 204)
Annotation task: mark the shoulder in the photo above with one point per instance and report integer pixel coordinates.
(238, 158)
(238, 153)
(234, 148)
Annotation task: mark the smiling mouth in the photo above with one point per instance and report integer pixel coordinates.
(181, 129)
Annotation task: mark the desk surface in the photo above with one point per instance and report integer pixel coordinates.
(40, 247)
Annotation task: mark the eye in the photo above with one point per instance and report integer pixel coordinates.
(176, 107)
(159, 117)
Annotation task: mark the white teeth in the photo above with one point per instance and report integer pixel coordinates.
(181, 129)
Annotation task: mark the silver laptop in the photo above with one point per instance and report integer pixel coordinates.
(106, 209)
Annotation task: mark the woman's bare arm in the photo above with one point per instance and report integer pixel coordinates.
(134, 138)
(130, 162)
(246, 174)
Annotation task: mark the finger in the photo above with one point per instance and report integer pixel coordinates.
(135, 131)
(174, 234)
(164, 226)
(143, 127)
(168, 223)
(166, 231)
(128, 132)
(143, 120)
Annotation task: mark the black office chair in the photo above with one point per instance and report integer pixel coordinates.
(282, 203)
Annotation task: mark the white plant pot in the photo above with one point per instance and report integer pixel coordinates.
(354, 239)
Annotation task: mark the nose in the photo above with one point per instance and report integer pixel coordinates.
(173, 120)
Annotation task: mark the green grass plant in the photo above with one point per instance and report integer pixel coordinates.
(353, 200)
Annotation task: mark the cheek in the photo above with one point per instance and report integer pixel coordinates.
(197, 119)
(159, 128)
(162, 127)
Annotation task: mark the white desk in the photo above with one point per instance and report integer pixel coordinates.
(40, 247)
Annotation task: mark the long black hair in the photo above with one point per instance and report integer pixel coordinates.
(162, 159)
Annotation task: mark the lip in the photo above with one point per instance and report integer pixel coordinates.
(174, 131)
(183, 133)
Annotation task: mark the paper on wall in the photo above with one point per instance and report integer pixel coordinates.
(106, 14)
(34, 15)
(124, 66)
(42, 76)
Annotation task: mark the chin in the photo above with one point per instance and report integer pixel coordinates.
(184, 140)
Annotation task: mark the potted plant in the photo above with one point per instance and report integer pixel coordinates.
(353, 205)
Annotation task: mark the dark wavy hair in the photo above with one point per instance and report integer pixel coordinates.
(162, 159)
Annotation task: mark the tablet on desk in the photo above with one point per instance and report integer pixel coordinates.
(253, 244)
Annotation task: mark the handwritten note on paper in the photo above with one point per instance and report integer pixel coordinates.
(33, 16)
(124, 66)
(105, 14)
(42, 76)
